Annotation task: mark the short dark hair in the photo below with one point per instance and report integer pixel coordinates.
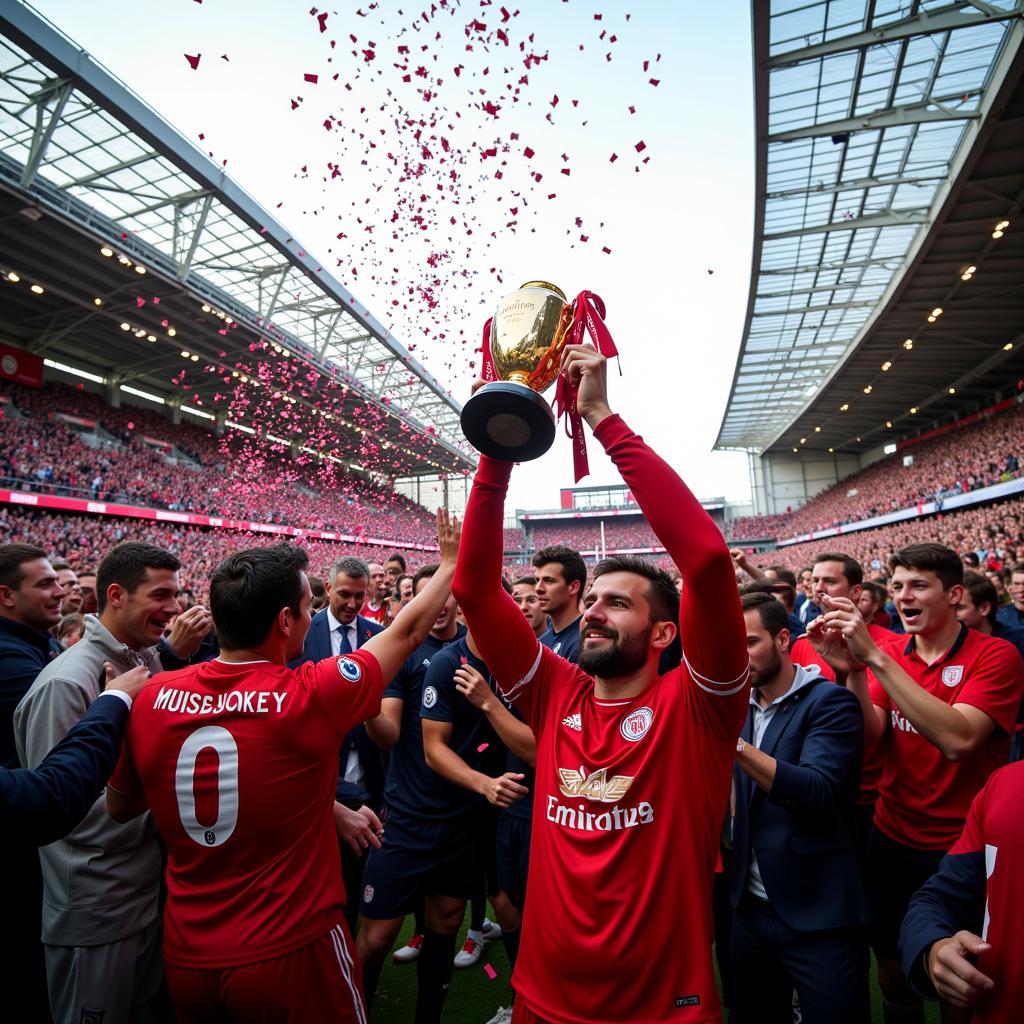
(316, 586)
(971, 558)
(127, 565)
(778, 589)
(248, 590)
(574, 569)
(851, 567)
(772, 613)
(396, 557)
(59, 563)
(662, 595)
(782, 573)
(981, 590)
(424, 572)
(12, 558)
(1017, 567)
(524, 580)
(351, 566)
(877, 589)
(73, 620)
(936, 558)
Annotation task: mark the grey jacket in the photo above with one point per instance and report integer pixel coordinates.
(101, 882)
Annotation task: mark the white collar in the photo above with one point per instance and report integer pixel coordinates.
(804, 676)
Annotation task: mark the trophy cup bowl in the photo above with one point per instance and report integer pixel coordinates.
(507, 419)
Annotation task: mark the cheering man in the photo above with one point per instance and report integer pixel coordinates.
(633, 769)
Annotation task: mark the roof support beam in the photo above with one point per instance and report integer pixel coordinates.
(186, 264)
(107, 171)
(942, 19)
(857, 184)
(882, 219)
(45, 128)
(933, 109)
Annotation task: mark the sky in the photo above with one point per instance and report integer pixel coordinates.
(667, 90)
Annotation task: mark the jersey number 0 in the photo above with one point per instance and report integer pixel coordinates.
(227, 785)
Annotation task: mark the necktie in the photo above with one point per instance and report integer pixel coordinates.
(346, 647)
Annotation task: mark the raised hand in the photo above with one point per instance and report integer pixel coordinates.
(832, 646)
(586, 369)
(841, 615)
(449, 532)
(189, 630)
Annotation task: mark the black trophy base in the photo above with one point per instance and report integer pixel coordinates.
(509, 422)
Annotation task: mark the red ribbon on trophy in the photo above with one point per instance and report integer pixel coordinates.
(487, 370)
(589, 317)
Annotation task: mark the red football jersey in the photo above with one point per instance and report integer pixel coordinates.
(621, 786)
(924, 797)
(995, 827)
(379, 614)
(803, 653)
(238, 763)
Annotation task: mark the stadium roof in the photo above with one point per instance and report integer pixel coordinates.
(872, 118)
(89, 164)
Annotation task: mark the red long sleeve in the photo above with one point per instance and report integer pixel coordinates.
(506, 641)
(711, 624)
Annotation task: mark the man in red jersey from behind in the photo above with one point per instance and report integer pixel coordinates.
(633, 769)
(238, 759)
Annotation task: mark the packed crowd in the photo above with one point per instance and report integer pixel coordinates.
(585, 534)
(221, 477)
(981, 453)
(832, 725)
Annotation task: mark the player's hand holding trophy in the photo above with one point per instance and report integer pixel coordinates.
(507, 418)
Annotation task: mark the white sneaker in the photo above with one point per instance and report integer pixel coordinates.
(472, 950)
(503, 1016)
(409, 952)
(491, 930)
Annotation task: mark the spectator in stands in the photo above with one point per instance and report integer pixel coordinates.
(524, 593)
(783, 586)
(101, 926)
(998, 580)
(1013, 614)
(946, 703)
(70, 629)
(871, 605)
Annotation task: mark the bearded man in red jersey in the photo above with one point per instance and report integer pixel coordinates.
(633, 768)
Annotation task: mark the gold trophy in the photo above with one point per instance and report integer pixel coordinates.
(507, 419)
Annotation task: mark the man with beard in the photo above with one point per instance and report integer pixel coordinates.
(794, 878)
(633, 770)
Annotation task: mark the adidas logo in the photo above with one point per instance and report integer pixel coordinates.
(573, 722)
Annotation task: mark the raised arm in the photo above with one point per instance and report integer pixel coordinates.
(412, 624)
(710, 619)
(506, 642)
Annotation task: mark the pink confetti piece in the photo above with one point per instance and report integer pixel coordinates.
(193, 62)
(490, 972)
(482, 748)
(312, 79)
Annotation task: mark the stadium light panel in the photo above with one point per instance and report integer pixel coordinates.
(74, 371)
(197, 412)
(13, 277)
(149, 396)
(106, 251)
(38, 289)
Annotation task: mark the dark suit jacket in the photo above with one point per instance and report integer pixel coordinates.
(801, 831)
(317, 646)
(41, 805)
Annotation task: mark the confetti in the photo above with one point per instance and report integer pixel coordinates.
(482, 748)
(193, 61)
(490, 972)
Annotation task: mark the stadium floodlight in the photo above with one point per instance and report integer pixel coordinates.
(13, 277)
(97, 301)
(1008, 346)
(125, 326)
(38, 289)
(106, 251)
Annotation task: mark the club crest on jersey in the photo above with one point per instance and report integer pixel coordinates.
(594, 786)
(574, 722)
(368, 894)
(350, 670)
(952, 674)
(429, 697)
(635, 725)
(90, 1016)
